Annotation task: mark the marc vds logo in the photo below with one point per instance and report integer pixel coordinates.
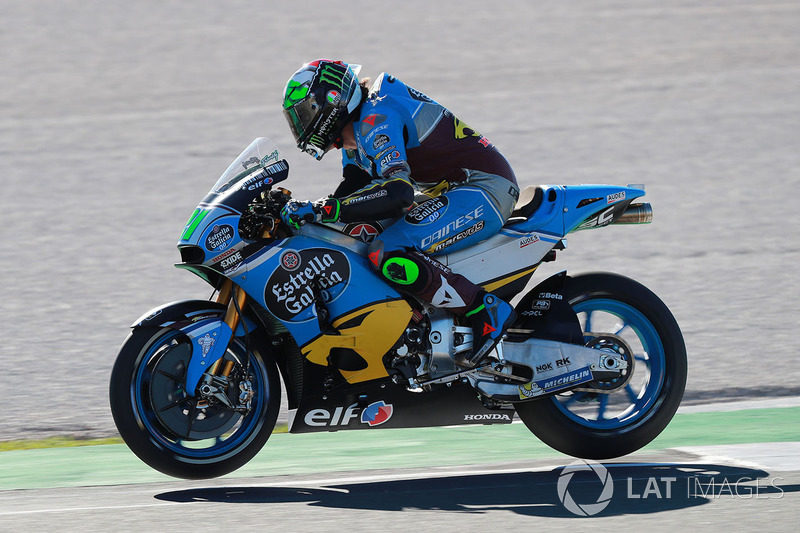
(595, 473)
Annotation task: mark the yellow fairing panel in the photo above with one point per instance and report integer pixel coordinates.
(375, 330)
(496, 284)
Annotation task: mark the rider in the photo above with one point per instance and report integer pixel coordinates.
(397, 140)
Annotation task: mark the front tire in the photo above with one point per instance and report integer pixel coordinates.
(181, 435)
(603, 426)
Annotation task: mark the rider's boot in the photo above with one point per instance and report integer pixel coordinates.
(490, 319)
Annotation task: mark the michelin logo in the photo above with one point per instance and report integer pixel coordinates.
(545, 386)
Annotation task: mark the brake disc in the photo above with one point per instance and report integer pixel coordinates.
(183, 416)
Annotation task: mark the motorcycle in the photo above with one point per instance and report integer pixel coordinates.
(595, 364)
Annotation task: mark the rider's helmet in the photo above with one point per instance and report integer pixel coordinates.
(319, 100)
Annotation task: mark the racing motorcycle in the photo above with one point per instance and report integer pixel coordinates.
(595, 364)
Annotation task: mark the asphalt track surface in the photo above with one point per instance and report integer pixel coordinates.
(116, 118)
(520, 495)
(440, 479)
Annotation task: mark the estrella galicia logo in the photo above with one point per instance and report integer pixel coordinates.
(595, 472)
(290, 290)
(428, 211)
(377, 413)
(220, 236)
(380, 141)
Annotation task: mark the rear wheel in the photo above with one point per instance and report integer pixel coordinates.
(626, 317)
(188, 436)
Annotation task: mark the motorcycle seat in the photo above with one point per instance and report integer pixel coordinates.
(530, 199)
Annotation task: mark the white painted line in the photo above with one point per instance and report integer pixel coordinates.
(771, 456)
(98, 508)
(772, 403)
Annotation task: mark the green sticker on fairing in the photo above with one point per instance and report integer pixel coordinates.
(295, 92)
(267, 158)
(401, 270)
(194, 221)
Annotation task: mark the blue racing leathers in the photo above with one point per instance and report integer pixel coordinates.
(412, 149)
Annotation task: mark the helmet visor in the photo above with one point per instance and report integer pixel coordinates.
(301, 117)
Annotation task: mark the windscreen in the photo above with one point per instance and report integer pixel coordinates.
(262, 154)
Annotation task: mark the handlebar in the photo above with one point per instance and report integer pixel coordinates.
(262, 214)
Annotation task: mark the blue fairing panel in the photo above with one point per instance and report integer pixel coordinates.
(567, 208)
(302, 270)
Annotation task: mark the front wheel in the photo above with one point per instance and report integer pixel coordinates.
(187, 436)
(593, 425)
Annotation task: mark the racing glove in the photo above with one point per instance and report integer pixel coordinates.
(295, 213)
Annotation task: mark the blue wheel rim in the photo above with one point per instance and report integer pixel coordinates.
(636, 401)
(210, 447)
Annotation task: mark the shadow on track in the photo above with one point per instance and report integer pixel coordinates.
(637, 489)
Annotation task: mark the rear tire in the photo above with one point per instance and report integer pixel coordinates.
(604, 426)
(176, 433)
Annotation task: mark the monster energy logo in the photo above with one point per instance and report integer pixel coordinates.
(333, 74)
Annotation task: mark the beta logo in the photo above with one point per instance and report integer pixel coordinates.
(376, 413)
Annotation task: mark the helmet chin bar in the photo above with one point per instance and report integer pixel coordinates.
(315, 152)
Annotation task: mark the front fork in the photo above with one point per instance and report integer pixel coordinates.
(213, 384)
(210, 339)
(235, 298)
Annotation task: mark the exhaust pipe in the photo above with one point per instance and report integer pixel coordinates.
(636, 214)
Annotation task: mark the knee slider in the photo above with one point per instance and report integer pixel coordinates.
(403, 271)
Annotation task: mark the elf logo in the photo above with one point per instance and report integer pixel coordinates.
(374, 414)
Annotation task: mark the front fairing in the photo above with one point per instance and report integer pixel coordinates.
(210, 244)
(295, 276)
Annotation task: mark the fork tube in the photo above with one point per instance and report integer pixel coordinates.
(224, 295)
(231, 317)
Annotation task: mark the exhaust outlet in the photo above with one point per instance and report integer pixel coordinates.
(636, 214)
